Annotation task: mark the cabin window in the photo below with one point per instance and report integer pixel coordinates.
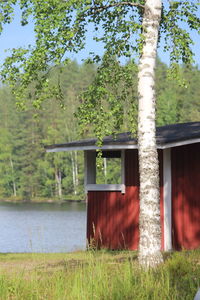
(111, 177)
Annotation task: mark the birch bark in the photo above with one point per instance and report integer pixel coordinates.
(58, 179)
(150, 230)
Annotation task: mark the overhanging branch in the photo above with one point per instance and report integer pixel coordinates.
(98, 9)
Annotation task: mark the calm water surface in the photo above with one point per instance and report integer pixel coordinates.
(42, 227)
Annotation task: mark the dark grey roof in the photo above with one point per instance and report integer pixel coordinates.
(173, 133)
(178, 132)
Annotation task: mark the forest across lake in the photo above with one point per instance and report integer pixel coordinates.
(28, 173)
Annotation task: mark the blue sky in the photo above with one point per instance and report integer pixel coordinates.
(14, 36)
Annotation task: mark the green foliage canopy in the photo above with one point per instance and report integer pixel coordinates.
(60, 27)
(27, 172)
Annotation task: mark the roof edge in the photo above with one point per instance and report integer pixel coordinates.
(179, 143)
(60, 148)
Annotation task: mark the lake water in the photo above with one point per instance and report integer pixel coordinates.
(42, 227)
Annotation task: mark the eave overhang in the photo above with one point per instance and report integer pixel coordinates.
(166, 137)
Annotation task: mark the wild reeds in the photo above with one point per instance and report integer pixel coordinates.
(99, 275)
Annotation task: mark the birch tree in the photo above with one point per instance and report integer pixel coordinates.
(150, 232)
(128, 29)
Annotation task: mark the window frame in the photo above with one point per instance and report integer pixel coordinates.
(90, 173)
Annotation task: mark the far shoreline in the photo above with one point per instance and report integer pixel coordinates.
(40, 200)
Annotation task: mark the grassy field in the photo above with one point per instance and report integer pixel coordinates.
(97, 275)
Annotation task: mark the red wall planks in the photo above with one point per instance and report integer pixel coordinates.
(186, 196)
(132, 198)
(110, 221)
(113, 218)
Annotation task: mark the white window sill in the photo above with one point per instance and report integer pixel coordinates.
(105, 187)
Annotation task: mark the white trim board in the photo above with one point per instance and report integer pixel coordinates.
(123, 170)
(89, 168)
(167, 199)
(106, 187)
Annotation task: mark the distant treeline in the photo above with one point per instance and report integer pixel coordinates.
(27, 172)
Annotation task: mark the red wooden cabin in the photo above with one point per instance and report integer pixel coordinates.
(113, 209)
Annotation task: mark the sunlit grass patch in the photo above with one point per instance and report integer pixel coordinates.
(103, 275)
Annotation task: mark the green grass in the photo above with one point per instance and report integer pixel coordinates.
(97, 275)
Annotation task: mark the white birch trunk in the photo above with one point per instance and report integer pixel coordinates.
(60, 184)
(150, 229)
(58, 179)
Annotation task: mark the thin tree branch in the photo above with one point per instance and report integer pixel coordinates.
(98, 9)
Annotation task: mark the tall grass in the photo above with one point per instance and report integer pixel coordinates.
(103, 276)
